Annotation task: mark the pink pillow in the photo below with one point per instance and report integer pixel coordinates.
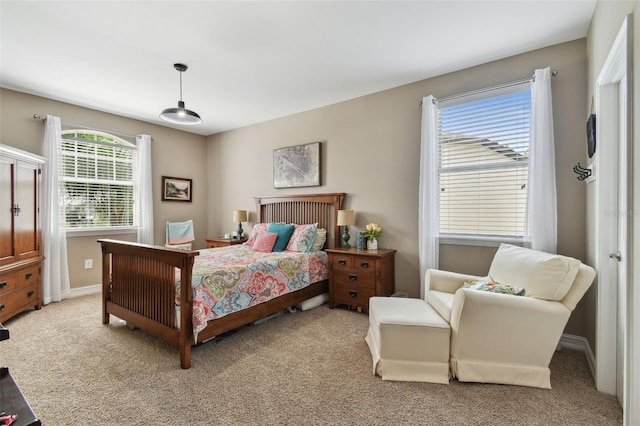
(265, 242)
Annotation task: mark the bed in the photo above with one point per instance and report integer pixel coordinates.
(139, 280)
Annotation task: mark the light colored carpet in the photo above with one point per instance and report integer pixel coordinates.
(304, 368)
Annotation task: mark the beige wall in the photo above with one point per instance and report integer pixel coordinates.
(607, 20)
(174, 153)
(371, 151)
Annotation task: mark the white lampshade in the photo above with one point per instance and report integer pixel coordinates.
(239, 215)
(346, 218)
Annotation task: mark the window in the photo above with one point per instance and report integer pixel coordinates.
(483, 148)
(97, 177)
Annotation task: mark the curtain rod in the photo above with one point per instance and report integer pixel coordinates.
(80, 126)
(554, 73)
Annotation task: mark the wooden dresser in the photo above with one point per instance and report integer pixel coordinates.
(356, 275)
(20, 232)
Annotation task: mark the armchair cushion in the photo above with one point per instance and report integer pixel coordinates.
(542, 275)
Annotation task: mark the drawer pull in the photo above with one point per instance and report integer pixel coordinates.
(353, 277)
(28, 275)
(353, 293)
(342, 261)
(364, 264)
(30, 293)
(2, 307)
(3, 284)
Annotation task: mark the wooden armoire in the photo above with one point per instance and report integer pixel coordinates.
(20, 231)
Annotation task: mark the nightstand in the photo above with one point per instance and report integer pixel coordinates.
(356, 275)
(223, 242)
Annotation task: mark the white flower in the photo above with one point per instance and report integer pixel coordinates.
(373, 231)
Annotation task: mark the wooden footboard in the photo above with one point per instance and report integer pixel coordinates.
(138, 286)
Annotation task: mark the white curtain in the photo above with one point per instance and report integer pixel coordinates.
(55, 274)
(542, 214)
(145, 190)
(429, 191)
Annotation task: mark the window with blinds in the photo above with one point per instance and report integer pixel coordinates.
(97, 175)
(484, 157)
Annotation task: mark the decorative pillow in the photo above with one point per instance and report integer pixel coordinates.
(264, 242)
(302, 238)
(493, 287)
(545, 276)
(257, 229)
(318, 242)
(284, 234)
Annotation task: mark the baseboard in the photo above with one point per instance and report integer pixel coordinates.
(85, 290)
(580, 343)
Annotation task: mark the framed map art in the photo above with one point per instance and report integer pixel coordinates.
(297, 166)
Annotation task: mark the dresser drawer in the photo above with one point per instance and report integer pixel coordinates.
(28, 275)
(18, 299)
(364, 264)
(351, 294)
(8, 282)
(366, 278)
(338, 261)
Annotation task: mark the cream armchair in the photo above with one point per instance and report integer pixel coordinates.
(500, 338)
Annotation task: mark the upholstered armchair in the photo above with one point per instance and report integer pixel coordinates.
(504, 338)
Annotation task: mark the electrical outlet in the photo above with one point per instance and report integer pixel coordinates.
(88, 263)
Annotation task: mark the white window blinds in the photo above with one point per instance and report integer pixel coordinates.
(483, 146)
(97, 177)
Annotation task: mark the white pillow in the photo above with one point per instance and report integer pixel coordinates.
(542, 275)
(321, 238)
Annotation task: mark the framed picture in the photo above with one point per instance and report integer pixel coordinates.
(176, 189)
(297, 166)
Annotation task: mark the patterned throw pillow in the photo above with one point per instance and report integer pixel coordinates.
(302, 238)
(493, 287)
(257, 228)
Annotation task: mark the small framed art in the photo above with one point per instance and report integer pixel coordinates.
(176, 189)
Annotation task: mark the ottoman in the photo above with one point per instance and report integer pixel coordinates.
(408, 340)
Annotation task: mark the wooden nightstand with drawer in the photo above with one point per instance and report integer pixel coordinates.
(356, 275)
(223, 242)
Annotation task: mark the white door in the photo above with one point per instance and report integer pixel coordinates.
(620, 253)
(616, 318)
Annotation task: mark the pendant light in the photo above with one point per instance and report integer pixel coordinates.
(180, 115)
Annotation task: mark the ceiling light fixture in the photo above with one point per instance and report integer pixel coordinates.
(180, 115)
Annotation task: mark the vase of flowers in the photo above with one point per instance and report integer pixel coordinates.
(373, 232)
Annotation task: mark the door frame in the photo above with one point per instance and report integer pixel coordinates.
(617, 66)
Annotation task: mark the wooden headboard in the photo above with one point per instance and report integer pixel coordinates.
(303, 209)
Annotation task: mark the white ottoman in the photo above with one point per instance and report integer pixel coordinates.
(409, 340)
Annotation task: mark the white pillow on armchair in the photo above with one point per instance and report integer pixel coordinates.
(543, 275)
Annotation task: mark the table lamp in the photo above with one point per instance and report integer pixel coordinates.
(346, 218)
(239, 216)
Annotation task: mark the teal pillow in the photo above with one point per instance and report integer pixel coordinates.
(284, 232)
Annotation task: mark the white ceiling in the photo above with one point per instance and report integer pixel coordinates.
(254, 61)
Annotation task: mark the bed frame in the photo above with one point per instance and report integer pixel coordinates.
(138, 280)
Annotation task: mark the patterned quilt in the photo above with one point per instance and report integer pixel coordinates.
(228, 279)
